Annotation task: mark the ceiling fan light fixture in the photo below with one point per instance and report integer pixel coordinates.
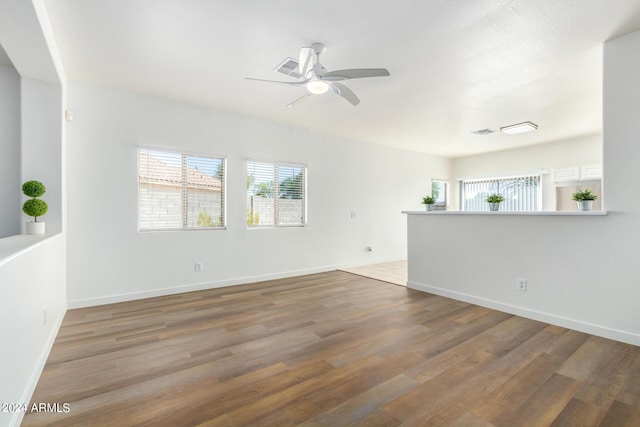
(317, 87)
(519, 128)
(312, 75)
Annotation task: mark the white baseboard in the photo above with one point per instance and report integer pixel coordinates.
(16, 420)
(111, 299)
(554, 319)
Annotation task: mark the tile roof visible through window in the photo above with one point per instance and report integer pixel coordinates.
(152, 170)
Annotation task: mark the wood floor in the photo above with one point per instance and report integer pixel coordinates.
(330, 349)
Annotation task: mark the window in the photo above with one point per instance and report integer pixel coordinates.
(276, 194)
(521, 193)
(439, 193)
(178, 191)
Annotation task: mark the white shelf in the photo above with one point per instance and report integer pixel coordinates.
(13, 246)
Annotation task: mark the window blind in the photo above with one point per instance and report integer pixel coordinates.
(180, 191)
(276, 194)
(521, 193)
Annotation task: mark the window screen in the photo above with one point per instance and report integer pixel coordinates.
(276, 194)
(180, 191)
(521, 193)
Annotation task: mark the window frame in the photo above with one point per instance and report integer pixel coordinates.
(184, 154)
(441, 206)
(538, 197)
(276, 186)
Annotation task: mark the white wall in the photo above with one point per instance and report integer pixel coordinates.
(621, 133)
(32, 270)
(41, 106)
(586, 150)
(110, 261)
(32, 306)
(10, 206)
(583, 271)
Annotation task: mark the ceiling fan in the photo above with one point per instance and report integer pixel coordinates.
(317, 80)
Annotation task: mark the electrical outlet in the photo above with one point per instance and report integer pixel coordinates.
(198, 267)
(522, 285)
(369, 249)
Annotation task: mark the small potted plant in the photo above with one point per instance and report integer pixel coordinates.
(428, 202)
(494, 201)
(584, 198)
(34, 207)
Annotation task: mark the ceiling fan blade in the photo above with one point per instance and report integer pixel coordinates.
(305, 61)
(302, 98)
(346, 93)
(355, 73)
(276, 81)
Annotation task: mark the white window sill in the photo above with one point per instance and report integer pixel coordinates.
(499, 213)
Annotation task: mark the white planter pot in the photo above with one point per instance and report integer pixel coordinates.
(429, 208)
(494, 207)
(35, 227)
(585, 205)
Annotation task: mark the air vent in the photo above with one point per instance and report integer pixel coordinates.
(483, 131)
(289, 67)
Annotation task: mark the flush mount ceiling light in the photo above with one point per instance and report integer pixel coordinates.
(317, 87)
(519, 128)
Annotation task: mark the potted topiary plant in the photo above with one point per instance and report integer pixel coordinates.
(34, 207)
(494, 201)
(584, 198)
(428, 202)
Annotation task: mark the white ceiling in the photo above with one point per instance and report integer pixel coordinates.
(456, 65)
